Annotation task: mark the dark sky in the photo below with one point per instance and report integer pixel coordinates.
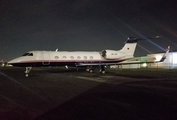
(89, 25)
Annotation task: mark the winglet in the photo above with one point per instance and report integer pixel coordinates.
(165, 55)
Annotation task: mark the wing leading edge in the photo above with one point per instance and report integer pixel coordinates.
(123, 62)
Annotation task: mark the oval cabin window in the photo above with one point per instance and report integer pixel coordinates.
(91, 57)
(56, 57)
(64, 57)
(85, 57)
(72, 57)
(78, 57)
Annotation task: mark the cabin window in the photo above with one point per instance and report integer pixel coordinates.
(72, 57)
(85, 57)
(78, 57)
(64, 57)
(56, 57)
(91, 57)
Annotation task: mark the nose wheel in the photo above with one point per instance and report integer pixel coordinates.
(27, 71)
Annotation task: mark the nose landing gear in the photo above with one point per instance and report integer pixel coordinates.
(27, 71)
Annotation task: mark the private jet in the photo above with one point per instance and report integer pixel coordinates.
(85, 59)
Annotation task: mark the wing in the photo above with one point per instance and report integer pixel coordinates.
(123, 62)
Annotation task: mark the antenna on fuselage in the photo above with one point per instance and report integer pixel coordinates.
(56, 50)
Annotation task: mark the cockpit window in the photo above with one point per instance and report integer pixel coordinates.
(28, 54)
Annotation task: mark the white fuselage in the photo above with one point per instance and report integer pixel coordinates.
(59, 58)
(76, 58)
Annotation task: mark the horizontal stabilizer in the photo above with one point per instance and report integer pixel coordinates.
(135, 39)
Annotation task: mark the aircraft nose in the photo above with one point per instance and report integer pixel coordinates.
(13, 61)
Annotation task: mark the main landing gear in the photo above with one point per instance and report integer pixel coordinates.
(90, 69)
(102, 69)
(27, 71)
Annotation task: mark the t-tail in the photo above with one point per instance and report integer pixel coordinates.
(130, 45)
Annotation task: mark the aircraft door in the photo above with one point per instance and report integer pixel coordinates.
(46, 58)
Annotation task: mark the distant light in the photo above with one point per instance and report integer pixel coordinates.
(168, 48)
(174, 58)
(158, 57)
(144, 65)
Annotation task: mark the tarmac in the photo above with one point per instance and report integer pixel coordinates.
(59, 94)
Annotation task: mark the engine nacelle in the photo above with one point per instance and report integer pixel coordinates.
(112, 54)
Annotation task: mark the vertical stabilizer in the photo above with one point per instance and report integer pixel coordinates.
(130, 46)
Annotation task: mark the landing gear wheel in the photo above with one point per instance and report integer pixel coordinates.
(90, 71)
(87, 69)
(102, 72)
(27, 71)
(26, 75)
(102, 69)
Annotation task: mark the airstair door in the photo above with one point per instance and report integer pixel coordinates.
(46, 58)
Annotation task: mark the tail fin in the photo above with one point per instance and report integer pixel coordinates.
(130, 46)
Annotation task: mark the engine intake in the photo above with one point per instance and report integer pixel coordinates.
(112, 54)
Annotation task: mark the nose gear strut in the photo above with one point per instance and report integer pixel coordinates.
(27, 71)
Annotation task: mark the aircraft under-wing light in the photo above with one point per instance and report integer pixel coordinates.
(79, 58)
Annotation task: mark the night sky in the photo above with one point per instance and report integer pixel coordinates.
(88, 25)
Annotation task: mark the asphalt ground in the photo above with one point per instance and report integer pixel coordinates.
(59, 94)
